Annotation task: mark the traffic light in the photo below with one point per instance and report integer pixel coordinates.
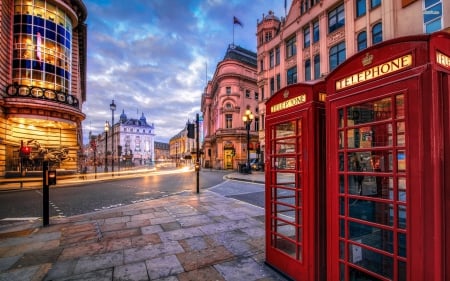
(191, 131)
(50, 177)
(25, 151)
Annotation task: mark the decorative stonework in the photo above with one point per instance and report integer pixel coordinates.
(336, 37)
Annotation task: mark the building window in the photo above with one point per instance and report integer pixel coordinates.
(247, 94)
(42, 54)
(228, 89)
(262, 121)
(261, 65)
(375, 3)
(307, 70)
(268, 36)
(291, 49)
(336, 18)
(228, 106)
(306, 37)
(256, 124)
(277, 56)
(337, 55)
(316, 32)
(432, 15)
(271, 58)
(316, 66)
(377, 33)
(272, 86)
(262, 93)
(360, 8)
(256, 96)
(228, 121)
(291, 75)
(362, 40)
(278, 81)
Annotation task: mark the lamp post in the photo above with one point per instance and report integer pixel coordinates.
(106, 145)
(112, 106)
(248, 118)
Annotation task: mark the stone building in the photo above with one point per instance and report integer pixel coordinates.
(42, 84)
(318, 35)
(228, 95)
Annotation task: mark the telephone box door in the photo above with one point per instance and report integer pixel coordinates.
(294, 169)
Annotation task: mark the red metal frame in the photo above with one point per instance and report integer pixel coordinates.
(295, 229)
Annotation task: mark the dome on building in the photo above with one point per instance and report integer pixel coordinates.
(123, 117)
(143, 120)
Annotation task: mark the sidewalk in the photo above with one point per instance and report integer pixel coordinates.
(186, 236)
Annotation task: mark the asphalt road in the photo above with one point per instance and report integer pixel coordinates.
(92, 196)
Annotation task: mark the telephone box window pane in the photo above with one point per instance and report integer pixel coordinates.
(401, 161)
(285, 245)
(401, 189)
(285, 130)
(285, 146)
(401, 134)
(342, 206)
(285, 163)
(285, 179)
(373, 186)
(342, 250)
(374, 237)
(371, 261)
(340, 118)
(342, 230)
(401, 271)
(401, 237)
(400, 106)
(370, 211)
(369, 112)
(341, 183)
(341, 161)
(401, 218)
(341, 139)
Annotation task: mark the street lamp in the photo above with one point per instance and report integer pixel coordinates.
(248, 118)
(106, 145)
(112, 106)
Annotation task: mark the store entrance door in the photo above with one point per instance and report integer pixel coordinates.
(228, 159)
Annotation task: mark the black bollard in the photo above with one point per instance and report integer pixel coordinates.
(45, 194)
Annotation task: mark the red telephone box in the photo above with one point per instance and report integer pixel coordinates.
(388, 145)
(295, 197)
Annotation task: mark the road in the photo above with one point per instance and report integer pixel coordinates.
(93, 196)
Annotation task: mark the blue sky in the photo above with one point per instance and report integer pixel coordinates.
(154, 56)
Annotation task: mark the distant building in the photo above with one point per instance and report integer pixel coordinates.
(162, 151)
(182, 147)
(231, 91)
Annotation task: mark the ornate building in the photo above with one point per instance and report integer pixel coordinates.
(42, 84)
(318, 35)
(181, 147)
(227, 96)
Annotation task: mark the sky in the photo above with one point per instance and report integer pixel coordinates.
(154, 57)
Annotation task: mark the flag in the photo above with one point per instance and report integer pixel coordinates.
(237, 21)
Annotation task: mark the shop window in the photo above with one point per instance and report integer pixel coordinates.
(317, 67)
(337, 55)
(336, 18)
(291, 75)
(377, 33)
(307, 70)
(360, 8)
(362, 40)
(306, 37)
(291, 49)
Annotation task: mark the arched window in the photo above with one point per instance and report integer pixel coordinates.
(362, 40)
(377, 33)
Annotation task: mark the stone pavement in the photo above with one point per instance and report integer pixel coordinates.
(186, 236)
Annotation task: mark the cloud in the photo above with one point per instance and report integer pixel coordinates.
(155, 57)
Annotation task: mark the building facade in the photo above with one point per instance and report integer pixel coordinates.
(162, 151)
(42, 84)
(231, 92)
(182, 148)
(318, 35)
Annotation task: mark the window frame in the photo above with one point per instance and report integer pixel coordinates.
(360, 41)
(379, 33)
(336, 18)
(336, 51)
(291, 75)
(291, 49)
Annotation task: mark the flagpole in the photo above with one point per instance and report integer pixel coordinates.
(233, 32)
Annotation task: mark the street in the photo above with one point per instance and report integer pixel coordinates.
(93, 196)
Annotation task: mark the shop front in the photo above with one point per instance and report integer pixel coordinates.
(294, 163)
(387, 162)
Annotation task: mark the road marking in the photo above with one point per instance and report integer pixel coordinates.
(21, 219)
